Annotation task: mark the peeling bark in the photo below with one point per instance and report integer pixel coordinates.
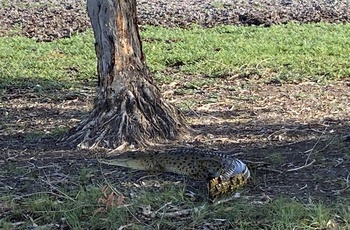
(129, 108)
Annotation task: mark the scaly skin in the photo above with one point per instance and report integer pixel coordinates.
(225, 173)
(219, 186)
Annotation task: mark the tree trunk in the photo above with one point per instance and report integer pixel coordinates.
(129, 108)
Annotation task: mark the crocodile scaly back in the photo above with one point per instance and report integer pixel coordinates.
(224, 172)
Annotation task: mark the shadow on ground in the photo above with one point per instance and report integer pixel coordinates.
(302, 160)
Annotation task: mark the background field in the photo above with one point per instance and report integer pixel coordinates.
(277, 93)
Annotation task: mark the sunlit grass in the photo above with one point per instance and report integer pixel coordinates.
(317, 52)
(288, 52)
(57, 64)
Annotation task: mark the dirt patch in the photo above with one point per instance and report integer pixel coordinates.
(45, 20)
(299, 130)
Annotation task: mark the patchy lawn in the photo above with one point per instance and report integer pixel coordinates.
(262, 102)
(297, 129)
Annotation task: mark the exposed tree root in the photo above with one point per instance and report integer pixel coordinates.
(136, 116)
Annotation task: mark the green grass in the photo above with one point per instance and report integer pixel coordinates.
(76, 210)
(61, 63)
(317, 52)
(75, 207)
(288, 52)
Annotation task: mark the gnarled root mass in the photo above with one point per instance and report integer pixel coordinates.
(137, 116)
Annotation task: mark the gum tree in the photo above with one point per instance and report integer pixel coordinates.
(129, 109)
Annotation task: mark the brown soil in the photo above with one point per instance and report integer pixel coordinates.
(45, 20)
(287, 126)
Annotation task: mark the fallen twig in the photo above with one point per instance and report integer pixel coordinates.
(309, 151)
(301, 167)
(166, 204)
(54, 188)
(313, 147)
(125, 226)
(234, 197)
(182, 212)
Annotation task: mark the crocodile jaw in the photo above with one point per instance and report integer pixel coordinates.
(128, 163)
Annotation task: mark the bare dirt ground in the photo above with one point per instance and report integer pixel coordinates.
(45, 20)
(300, 130)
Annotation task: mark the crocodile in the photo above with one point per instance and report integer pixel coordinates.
(223, 172)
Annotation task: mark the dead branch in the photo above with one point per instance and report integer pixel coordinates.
(301, 167)
(310, 151)
(313, 147)
(231, 198)
(183, 212)
(125, 226)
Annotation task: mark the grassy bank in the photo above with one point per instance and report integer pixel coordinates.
(317, 52)
(167, 208)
